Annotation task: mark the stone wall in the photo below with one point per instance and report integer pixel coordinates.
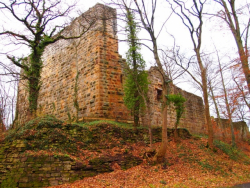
(86, 71)
(19, 170)
(48, 152)
(193, 118)
(89, 72)
(241, 129)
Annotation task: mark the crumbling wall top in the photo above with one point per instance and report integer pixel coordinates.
(100, 17)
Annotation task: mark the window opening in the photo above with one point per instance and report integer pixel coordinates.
(158, 94)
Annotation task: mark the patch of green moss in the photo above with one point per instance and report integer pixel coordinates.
(37, 184)
(88, 173)
(8, 183)
(130, 161)
(73, 178)
(101, 165)
(3, 148)
(12, 177)
(234, 153)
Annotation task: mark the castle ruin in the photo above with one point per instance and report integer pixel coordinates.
(83, 78)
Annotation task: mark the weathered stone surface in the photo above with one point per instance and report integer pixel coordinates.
(40, 173)
(44, 170)
(93, 66)
(241, 130)
(193, 117)
(99, 66)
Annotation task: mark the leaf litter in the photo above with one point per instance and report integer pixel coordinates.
(188, 164)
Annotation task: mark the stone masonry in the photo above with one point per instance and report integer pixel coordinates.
(89, 72)
(193, 118)
(241, 130)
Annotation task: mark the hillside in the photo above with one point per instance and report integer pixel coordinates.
(47, 152)
(189, 165)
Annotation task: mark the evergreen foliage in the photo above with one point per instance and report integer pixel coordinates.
(136, 83)
(130, 88)
(178, 100)
(33, 67)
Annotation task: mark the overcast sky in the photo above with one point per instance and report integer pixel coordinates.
(214, 33)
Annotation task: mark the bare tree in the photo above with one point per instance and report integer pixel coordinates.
(124, 16)
(7, 103)
(228, 91)
(169, 57)
(239, 80)
(240, 32)
(148, 20)
(36, 17)
(225, 96)
(189, 17)
(240, 91)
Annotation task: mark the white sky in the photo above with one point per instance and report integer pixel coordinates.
(213, 32)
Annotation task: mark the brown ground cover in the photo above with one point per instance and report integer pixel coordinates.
(189, 164)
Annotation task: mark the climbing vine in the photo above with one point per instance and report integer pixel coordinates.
(32, 67)
(178, 100)
(136, 83)
(36, 19)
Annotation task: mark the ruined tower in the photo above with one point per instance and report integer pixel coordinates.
(82, 77)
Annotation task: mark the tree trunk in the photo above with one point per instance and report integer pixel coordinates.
(135, 67)
(150, 136)
(217, 113)
(207, 115)
(33, 97)
(160, 155)
(149, 27)
(205, 98)
(244, 61)
(148, 123)
(228, 107)
(136, 110)
(176, 136)
(233, 23)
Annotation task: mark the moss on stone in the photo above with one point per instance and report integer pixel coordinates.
(53, 135)
(11, 178)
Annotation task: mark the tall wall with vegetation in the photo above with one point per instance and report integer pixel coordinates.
(193, 117)
(82, 77)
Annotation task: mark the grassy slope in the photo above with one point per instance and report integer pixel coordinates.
(189, 163)
(47, 136)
